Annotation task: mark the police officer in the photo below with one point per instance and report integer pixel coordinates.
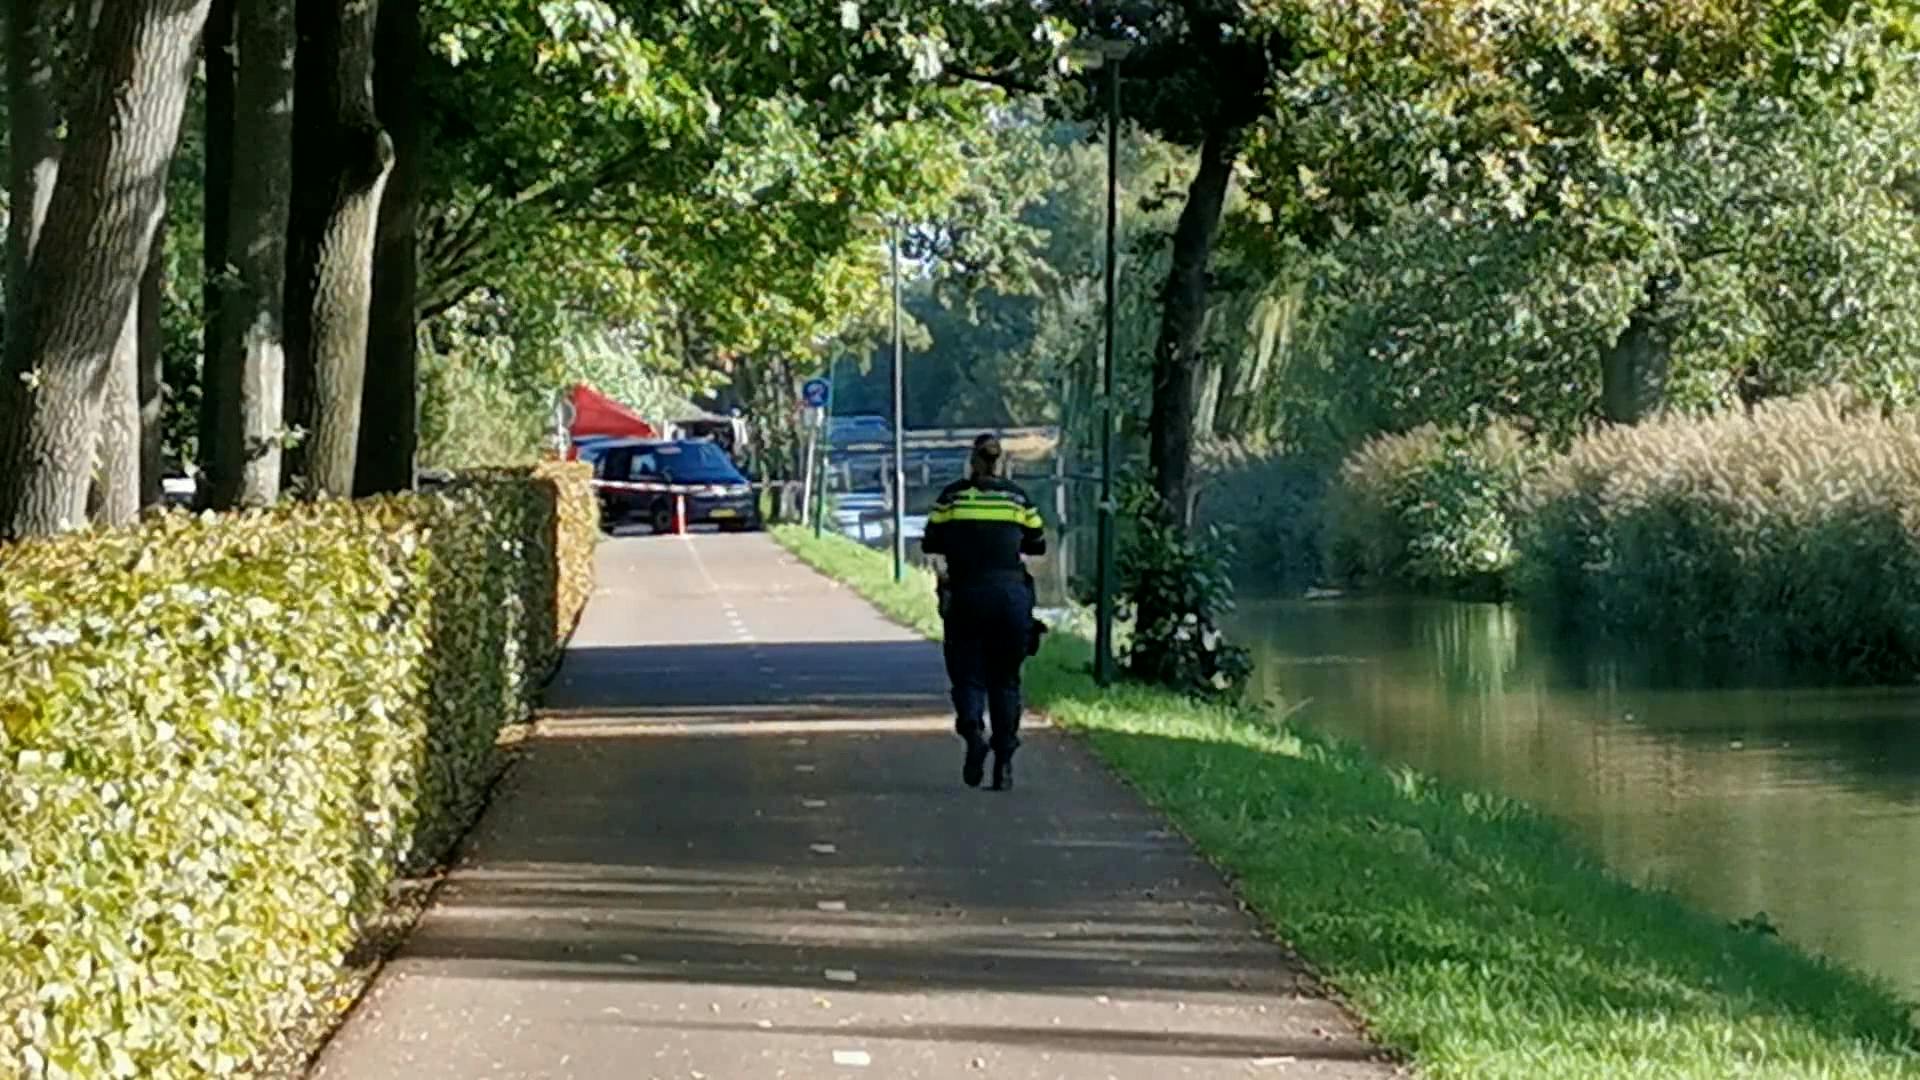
(982, 526)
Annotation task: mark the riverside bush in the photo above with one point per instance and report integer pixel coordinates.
(1429, 509)
(221, 737)
(1182, 579)
(1268, 501)
(1793, 530)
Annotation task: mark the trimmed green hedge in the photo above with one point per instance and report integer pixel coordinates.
(553, 508)
(220, 739)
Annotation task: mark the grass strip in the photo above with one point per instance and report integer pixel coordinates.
(1468, 931)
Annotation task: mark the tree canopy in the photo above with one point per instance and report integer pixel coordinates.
(1336, 217)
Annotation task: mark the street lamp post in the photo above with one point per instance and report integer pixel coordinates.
(899, 425)
(1111, 55)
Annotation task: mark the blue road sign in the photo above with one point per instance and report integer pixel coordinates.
(814, 393)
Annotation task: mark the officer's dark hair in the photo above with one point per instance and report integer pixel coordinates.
(986, 456)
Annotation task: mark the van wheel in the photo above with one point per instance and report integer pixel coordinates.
(662, 520)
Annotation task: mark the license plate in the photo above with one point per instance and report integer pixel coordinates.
(724, 512)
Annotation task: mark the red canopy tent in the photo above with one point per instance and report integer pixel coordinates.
(597, 416)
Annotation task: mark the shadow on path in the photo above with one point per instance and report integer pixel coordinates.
(800, 876)
(871, 677)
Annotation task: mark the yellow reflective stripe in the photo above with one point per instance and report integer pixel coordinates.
(1006, 514)
(978, 504)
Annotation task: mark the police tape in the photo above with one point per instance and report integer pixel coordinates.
(653, 487)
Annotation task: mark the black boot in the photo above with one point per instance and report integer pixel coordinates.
(975, 769)
(1003, 771)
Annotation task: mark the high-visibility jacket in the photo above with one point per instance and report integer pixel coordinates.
(982, 527)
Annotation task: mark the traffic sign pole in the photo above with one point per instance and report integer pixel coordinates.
(806, 478)
(814, 395)
(826, 449)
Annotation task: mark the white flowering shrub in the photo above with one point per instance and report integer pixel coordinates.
(1176, 586)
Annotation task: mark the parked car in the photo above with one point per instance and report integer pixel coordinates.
(859, 429)
(721, 495)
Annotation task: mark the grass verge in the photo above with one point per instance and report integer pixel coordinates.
(1466, 930)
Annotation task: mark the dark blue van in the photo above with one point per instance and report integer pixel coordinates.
(719, 494)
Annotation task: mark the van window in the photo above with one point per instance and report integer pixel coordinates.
(645, 467)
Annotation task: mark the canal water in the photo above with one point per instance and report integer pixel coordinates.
(1799, 801)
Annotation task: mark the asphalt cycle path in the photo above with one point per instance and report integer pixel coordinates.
(738, 847)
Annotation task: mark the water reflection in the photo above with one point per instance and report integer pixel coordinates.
(1743, 793)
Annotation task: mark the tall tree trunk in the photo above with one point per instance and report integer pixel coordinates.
(1241, 382)
(33, 141)
(118, 476)
(1183, 322)
(389, 406)
(152, 360)
(1212, 387)
(1177, 360)
(1634, 371)
(341, 162)
(247, 379)
(87, 263)
(216, 279)
(33, 118)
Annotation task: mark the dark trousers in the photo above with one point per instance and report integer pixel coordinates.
(986, 642)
